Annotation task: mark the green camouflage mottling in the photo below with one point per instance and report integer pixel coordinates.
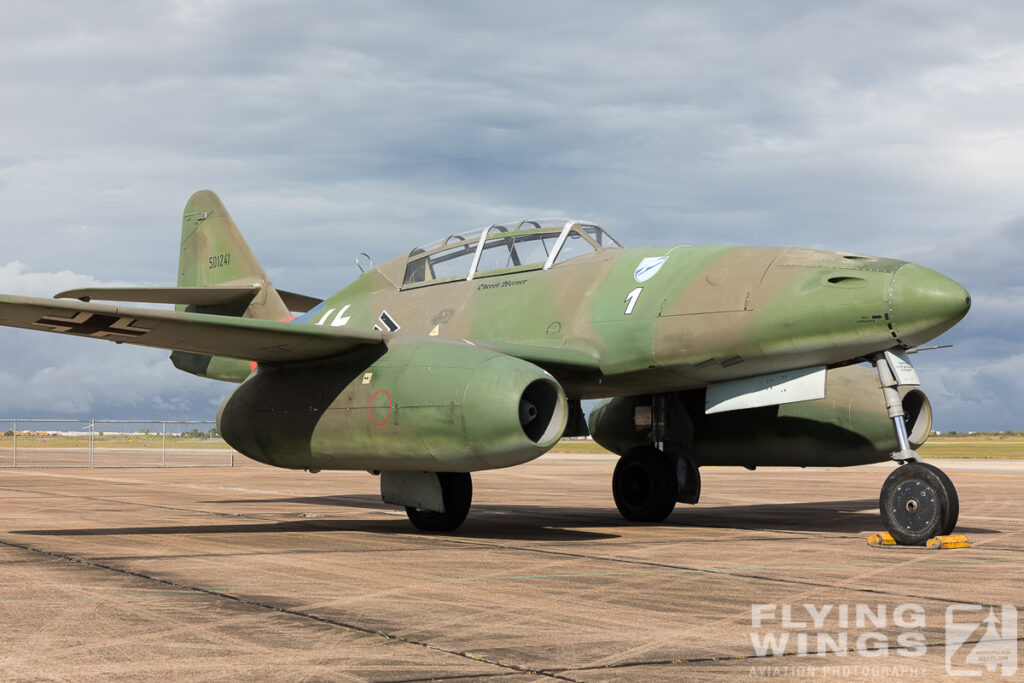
(464, 362)
(213, 252)
(452, 408)
(692, 324)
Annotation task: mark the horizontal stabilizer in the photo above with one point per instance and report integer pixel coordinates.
(199, 296)
(195, 296)
(300, 303)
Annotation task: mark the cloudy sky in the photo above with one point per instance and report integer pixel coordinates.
(331, 128)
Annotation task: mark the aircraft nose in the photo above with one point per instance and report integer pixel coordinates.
(924, 303)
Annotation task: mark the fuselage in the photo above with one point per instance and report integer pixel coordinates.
(705, 314)
(532, 314)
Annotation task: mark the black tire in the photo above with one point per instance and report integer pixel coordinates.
(953, 511)
(457, 493)
(915, 503)
(644, 485)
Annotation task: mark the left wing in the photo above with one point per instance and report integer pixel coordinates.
(263, 341)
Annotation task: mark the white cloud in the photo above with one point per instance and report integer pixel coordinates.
(15, 277)
(57, 376)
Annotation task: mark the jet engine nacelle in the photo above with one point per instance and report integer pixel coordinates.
(440, 407)
(847, 427)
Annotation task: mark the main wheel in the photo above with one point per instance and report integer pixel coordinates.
(644, 485)
(457, 494)
(917, 502)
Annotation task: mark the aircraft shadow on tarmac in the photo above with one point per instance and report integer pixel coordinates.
(535, 522)
(843, 516)
(503, 531)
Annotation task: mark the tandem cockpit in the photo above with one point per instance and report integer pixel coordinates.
(496, 249)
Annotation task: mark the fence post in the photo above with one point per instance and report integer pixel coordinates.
(92, 438)
(163, 444)
(15, 430)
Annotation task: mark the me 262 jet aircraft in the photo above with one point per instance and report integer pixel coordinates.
(474, 353)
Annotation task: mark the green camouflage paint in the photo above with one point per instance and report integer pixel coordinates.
(612, 323)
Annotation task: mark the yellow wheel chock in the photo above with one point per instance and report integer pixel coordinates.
(885, 540)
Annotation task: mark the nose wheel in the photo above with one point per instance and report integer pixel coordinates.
(918, 502)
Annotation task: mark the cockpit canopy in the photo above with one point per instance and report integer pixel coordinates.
(527, 245)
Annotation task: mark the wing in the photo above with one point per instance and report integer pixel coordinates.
(263, 341)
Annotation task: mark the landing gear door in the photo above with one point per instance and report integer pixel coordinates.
(902, 370)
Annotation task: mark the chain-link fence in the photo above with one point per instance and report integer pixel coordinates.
(111, 443)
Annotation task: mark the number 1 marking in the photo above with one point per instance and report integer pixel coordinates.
(631, 298)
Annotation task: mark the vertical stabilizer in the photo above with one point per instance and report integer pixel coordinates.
(213, 252)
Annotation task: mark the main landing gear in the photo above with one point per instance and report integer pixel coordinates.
(648, 481)
(918, 501)
(457, 494)
(644, 485)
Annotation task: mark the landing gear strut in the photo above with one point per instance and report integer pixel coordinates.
(894, 406)
(918, 501)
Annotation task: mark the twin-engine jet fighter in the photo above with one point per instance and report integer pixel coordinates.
(474, 352)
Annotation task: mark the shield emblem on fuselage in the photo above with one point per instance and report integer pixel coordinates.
(648, 268)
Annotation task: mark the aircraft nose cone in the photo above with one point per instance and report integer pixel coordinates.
(923, 304)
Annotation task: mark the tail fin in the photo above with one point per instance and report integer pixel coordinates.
(213, 252)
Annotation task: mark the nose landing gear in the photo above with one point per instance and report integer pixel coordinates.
(918, 501)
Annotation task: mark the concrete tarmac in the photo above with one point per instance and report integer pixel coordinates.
(256, 573)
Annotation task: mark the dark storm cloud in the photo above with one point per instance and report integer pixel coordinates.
(333, 128)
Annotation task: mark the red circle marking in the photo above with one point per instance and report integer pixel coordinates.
(380, 424)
